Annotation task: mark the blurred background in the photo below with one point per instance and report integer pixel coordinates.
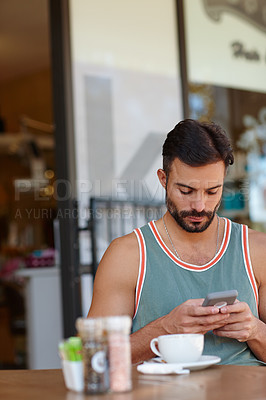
(88, 91)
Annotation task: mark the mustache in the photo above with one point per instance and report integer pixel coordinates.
(194, 213)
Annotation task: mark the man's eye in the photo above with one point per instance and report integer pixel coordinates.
(185, 193)
(211, 192)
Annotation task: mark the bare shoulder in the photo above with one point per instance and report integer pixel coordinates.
(124, 247)
(257, 241)
(121, 258)
(116, 278)
(127, 243)
(257, 244)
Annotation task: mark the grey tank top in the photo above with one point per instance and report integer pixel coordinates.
(164, 282)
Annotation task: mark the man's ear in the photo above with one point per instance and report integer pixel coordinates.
(162, 177)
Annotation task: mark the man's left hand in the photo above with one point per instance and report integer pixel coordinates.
(241, 325)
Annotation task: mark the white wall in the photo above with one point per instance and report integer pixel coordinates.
(126, 89)
(134, 35)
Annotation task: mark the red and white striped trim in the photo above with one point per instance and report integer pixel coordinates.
(248, 265)
(142, 268)
(192, 267)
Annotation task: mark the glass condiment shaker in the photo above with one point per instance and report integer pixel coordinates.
(119, 352)
(94, 354)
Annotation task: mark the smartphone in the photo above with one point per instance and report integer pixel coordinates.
(220, 299)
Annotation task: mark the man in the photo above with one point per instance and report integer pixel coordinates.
(160, 274)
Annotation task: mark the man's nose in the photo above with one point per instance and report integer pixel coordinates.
(198, 203)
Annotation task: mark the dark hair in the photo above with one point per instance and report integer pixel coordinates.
(197, 143)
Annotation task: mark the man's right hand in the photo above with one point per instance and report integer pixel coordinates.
(191, 317)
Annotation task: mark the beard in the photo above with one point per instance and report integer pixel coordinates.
(191, 227)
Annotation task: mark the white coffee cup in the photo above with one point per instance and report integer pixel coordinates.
(179, 348)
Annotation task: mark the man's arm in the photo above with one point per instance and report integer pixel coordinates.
(242, 324)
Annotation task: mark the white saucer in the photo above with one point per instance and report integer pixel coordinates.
(202, 363)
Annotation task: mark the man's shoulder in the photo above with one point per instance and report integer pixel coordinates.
(125, 243)
(124, 248)
(257, 245)
(121, 259)
(257, 239)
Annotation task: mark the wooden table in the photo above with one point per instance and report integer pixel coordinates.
(214, 383)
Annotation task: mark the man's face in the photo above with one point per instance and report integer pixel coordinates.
(191, 226)
(193, 194)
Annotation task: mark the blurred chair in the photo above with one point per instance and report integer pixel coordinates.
(112, 218)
